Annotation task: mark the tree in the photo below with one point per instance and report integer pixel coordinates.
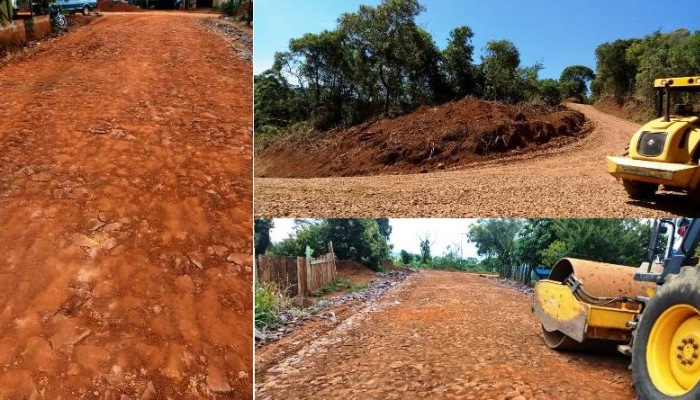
(615, 241)
(614, 74)
(261, 230)
(425, 245)
(500, 65)
(359, 240)
(536, 236)
(385, 36)
(549, 92)
(406, 257)
(307, 233)
(458, 61)
(497, 238)
(384, 227)
(574, 81)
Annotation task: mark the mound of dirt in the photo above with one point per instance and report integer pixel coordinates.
(357, 273)
(630, 109)
(449, 136)
(107, 5)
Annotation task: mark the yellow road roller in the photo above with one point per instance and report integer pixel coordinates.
(651, 313)
(665, 151)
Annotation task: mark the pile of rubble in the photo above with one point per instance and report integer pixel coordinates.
(291, 318)
(524, 289)
(240, 42)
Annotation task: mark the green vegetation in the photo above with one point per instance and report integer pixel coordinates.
(506, 244)
(269, 300)
(362, 240)
(378, 62)
(626, 68)
(342, 284)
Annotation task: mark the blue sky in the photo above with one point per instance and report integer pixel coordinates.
(556, 33)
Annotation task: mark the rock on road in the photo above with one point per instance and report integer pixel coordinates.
(571, 182)
(125, 203)
(443, 335)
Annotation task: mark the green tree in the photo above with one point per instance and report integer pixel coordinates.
(497, 238)
(359, 240)
(574, 81)
(261, 230)
(384, 227)
(616, 241)
(307, 233)
(615, 76)
(458, 61)
(500, 64)
(406, 257)
(548, 90)
(425, 245)
(535, 236)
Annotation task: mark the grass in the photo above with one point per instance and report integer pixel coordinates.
(339, 285)
(269, 300)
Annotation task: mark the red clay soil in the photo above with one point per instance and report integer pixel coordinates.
(428, 139)
(357, 273)
(630, 109)
(109, 6)
(125, 203)
(437, 335)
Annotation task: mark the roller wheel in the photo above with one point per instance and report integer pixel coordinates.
(559, 341)
(666, 344)
(639, 190)
(86, 11)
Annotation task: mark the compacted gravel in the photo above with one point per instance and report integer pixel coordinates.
(558, 183)
(441, 335)
(125, 203)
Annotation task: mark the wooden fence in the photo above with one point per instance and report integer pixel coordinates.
(300, 275)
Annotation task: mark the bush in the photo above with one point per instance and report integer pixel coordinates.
(269, 300)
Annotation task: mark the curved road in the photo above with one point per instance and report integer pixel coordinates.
(565, 183)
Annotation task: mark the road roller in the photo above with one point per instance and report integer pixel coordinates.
(666, 150)
(651, 313)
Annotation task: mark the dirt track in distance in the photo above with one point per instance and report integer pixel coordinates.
(125, 202)
(443, 335)
(569, 182)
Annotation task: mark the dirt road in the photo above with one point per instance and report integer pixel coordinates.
(125, 202)
(564, 183)
(443, 335)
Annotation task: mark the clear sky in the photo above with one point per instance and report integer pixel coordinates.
(405, 234)
(557, 33)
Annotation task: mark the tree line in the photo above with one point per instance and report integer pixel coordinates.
(502, 244)
(378, 62)
(363, 240)
(626, 68)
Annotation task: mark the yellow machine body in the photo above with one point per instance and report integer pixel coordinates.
(664, 151)
(673, 165)
(561, 310)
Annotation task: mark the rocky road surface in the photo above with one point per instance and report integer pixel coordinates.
(445, 335)
(125, 203)
(568, 182)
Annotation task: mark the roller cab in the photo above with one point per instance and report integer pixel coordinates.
(587, 305)
(666, 150)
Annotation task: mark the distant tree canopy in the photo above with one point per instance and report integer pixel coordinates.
(574, 81)
(542, 242)
(626, 68)
(353, 239)
(378, 61)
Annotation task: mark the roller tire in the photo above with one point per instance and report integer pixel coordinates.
(683, 288)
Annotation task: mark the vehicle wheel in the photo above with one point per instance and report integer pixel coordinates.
(639, 190)
(86, 11)
(666, 344)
